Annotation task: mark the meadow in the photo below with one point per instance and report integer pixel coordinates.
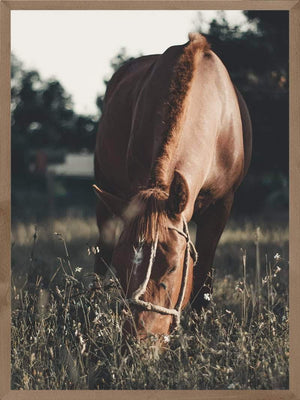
(67, 322)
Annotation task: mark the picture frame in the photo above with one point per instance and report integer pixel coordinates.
(293, 6)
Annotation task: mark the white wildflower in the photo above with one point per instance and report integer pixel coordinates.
(207, 296)
(166, 338)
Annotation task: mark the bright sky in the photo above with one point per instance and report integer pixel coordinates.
(76, 47)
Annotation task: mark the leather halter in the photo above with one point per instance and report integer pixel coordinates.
(176, 311)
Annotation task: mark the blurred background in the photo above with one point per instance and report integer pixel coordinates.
(61, 63)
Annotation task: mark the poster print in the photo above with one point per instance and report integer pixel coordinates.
(81, 297)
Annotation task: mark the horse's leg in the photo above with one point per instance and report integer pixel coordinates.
(210, 226)
(106, 227)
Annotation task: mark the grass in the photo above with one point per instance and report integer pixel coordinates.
(67, 324)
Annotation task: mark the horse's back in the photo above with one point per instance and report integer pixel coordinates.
(115, 124)
(132, 126)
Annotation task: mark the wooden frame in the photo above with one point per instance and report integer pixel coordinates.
(294, 8)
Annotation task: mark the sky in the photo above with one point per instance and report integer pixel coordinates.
(76, 47)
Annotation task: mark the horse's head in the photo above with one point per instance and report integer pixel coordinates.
(154, 259)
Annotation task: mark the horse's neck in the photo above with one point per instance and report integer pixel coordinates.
(149, 131)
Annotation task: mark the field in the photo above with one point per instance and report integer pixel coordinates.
(67, 323)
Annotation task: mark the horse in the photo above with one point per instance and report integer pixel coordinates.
(173, 145)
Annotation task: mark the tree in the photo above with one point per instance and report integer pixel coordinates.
(43, 118)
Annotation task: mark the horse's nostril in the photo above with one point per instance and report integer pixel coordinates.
(163, 285)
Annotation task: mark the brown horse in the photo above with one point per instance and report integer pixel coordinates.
(173, 145)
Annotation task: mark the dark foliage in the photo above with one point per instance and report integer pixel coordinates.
(257, 60)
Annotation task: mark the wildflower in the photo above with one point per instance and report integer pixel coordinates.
(277, 256)
(97, 319)
(78, 269)
(82, 342)
(228, 311)
(95, 249)
(166, 338)
(207, 296)
(278, 269)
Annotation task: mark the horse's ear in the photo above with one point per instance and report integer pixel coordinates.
(113, 203)
(179, 194)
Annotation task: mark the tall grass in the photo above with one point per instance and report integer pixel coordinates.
(67, 328)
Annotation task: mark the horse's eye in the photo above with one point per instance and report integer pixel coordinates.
(171, 270)
(163, 285)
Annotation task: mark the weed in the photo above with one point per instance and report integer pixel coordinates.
(67, 325)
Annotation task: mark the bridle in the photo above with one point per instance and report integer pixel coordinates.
(189, 251)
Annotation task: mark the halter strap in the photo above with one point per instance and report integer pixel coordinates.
(176, 312)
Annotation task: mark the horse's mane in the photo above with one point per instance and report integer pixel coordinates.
(147, 216)
(180, 83)
(147, 211)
